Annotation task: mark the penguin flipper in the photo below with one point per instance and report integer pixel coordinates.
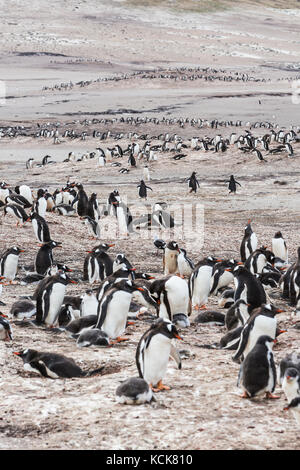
(174, 354)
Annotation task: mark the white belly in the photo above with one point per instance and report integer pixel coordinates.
(10, 267)
(156, 358)
(116, 317)
(202, 286)
(178, 296)
(263, 326)
(55, 303)
(279, 249)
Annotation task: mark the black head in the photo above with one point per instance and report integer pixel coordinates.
(27, 354)
(278, 235)
(15, 250)
(166, 328)
(173, 246)
(248, 229)
(291, 374)
(52, 244)
(265, 340)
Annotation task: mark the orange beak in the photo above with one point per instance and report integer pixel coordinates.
(17, 353)
(141, 289)
(178, 337)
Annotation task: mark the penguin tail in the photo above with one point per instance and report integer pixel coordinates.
(90, 373)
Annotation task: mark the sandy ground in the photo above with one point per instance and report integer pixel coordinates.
(203, 409)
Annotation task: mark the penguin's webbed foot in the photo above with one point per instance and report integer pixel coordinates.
(270, 396)
(160, 387)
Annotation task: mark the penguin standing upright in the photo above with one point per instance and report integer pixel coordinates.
(143, 189)
(40, 205)
(232, 184)
(93, 227)
(200, 282)
(258, 372)
(25, 191)
(83, 201)
(262, 322)
(170, 264)
(249, 242)
(291, 383)
(185, 264)
(40, 228)
(44, 257)
(193, 182)
(9, 263)
(50, 299)
(146, 173)
(5, 328)
(279, 247)
(98, 264)
(113, 309)
(93, 207)
(172, 295)
(153, 352)
(248, 288)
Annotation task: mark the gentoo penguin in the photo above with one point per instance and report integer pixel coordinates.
(233, 316)
(5, 328)
(65, 316)
(64, 209)
(19, 200)
(51, 365)
(122, 262)
(44, 257)
(98, 264)
(18, 212)
(101, 157)
(221, 277)
(93, 227)
(232, 184)
(23, 308)
(50, 299)
(172, 296)
(9, 263)
(248, 288)
(89, 304)
(40, 228)
(83, 201)
(153, 352)
(258, 260)
(93, 207)
(262, 322)
(134, 391)
(200, 281)
(170, 258)
(294, 282)
(92, 337)
(258, 372)
(75, 327)
(114, 307)
(249, 242)
(294, 406)
(279, 247)
(291, 360)
(291, 383)
(40, 205)
(143, 189)
(193, 183)
(210, 317)
(185, 264)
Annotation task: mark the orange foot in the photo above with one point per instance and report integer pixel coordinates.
(245, 395)
(119, 339)
(160, 387)
(203, 307)
(271, 396)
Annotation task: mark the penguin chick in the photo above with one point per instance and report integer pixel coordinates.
(134, 391)
(92, 337)
(291, 383)
(5, 328)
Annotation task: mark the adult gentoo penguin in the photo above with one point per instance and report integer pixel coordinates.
(44, 257)
(172, 296)
(40, 228)
(98, 264)
(193, 182)
(184, 263)
(50, 299)
(170, 258)
(134, 391)
(89, 304)
(52, 365)
(18, 212)
(258, 372)
(200, 281)
(153, 352)
(9, 263)
(232, 184)
(93, 227)
(249, 242)
(262, 322)
(143, 189)
(248, 288)
(114, 307)
(279, 247)
(83, 201)
(40, 205)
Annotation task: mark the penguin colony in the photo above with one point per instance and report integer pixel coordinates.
(114, 292)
